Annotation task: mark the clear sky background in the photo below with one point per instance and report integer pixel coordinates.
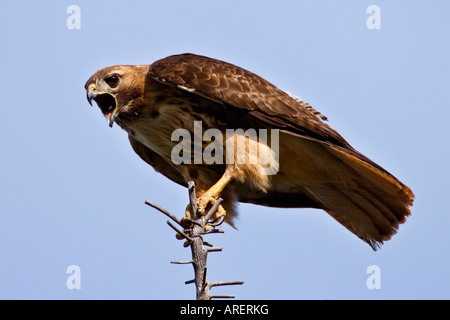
(72, 191)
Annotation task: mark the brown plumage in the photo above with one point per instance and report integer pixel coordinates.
(317, 168)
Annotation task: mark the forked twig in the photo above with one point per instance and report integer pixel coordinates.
(194, 237)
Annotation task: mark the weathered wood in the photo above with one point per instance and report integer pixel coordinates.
(199, 253)
(194, 237)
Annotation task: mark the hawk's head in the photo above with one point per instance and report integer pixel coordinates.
(117, 90)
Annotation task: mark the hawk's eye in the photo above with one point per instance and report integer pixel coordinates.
(112, 80)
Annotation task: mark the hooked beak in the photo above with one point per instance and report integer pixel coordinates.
(105, 101)
(90, 96)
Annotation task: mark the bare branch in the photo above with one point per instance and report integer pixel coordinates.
(226, 283)
(213, 231)
(207, 244)
(182, 262)
(213, 209)
(194, 236)
(180, 232)
(167, 213)
(192, 199)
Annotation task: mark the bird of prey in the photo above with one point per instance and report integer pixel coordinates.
(314, 166)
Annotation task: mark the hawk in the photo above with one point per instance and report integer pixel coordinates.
(315, 167)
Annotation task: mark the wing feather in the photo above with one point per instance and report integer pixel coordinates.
(229, 84)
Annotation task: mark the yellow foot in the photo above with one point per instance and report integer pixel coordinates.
(204, 201)
(216, 219)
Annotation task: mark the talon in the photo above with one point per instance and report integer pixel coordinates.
(186, 222)
(179, 236)
(208, 227)
(219, 214)
(218, 222)
(205, 200)
(204, 203)
(217, 219)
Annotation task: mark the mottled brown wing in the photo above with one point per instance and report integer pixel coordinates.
(230, 84)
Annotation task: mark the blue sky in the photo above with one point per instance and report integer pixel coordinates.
(72, 191)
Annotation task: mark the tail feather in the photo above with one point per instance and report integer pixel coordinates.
(369, 201)
(376, 176)
(355, 216)
(393, 212)
(381, 228)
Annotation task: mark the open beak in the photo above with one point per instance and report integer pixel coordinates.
(105, 101)
(111, 117)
